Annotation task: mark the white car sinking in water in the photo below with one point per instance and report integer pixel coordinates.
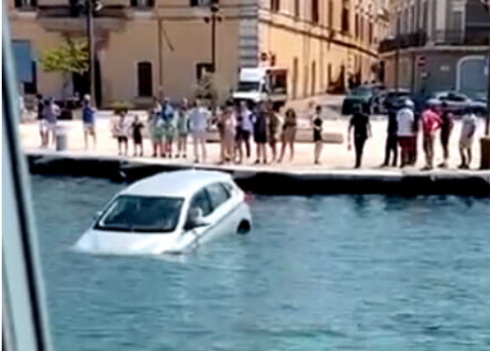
(168, 213)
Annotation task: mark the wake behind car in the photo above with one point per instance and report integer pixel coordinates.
(168, 213)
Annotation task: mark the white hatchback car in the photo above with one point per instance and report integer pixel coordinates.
(168, 213)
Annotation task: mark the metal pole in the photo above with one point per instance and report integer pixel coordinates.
(91, 50)
(213, 41)
(160, 60)
(397, 53)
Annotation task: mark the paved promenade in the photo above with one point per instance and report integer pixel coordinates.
(335, 154)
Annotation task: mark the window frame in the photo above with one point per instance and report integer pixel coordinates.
(142, 90)
(222, 186)
(196, 194)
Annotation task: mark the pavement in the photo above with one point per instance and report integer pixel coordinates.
(335, 154)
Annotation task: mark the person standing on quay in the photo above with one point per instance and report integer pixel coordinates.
(121, 132)
(260, 132)
(43, 125)
(391, 147)
(468, 130)
(446, 129)
(362, 131)
(51, 113)
(168, 118)
(275, 125)
(227, 124)
(198, 121)
(155, 124)
(244, 129)
(88, 117)
(137, 128)
(182, 128)
(405, 130)
(430, 123)
(317, 125)
(288, 134)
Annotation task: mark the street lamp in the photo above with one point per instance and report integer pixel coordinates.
(213, 18)
(90, 7)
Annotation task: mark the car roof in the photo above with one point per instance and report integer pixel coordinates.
(176, 184)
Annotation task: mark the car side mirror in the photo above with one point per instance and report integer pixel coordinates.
(197, 222)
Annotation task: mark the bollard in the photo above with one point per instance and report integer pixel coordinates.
(485, 152)
(61, 139)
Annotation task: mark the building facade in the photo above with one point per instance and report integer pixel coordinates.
(437, 45)
(148, 48)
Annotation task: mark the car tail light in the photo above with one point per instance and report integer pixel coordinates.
(247, 197)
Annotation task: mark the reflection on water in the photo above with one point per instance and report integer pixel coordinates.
(350, 272)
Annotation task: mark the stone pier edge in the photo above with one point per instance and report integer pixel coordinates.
(271, 181)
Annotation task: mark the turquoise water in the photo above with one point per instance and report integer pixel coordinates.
(317, 273)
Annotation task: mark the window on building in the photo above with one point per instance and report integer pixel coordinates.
(295, 78)
(25, 4)
(202, 68)
(330, 14)
(356, 25)
(31, 87)
(345, 17)
(315, 11)
(275, 5)
(142, 3)
(145, 79)
(297, 9)
(370, 33)
(313, 78)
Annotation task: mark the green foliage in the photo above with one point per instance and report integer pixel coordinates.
(69, 57)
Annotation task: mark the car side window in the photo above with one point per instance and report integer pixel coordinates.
(201, 200)
(218, 194)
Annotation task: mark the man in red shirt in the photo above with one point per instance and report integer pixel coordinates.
(431, 122)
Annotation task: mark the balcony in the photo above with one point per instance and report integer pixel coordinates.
(469, 37)
(66, 18)
(403, 41)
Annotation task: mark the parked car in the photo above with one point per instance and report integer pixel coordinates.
(170, 212)
(394, 99)
(362, 95)
(456, 102)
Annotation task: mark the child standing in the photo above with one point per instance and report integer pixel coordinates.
(182, 128)
(121, 132)
(137, 128)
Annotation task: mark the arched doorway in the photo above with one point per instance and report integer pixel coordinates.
(471, 75)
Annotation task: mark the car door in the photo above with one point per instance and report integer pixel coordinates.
(223, 208)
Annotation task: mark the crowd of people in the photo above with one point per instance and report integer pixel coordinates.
(170, 126)
(404, 126)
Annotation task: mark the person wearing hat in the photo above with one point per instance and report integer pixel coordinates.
(405, 119)
(88, 118)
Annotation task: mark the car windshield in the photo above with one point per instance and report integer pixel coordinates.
(361, 91)
(246, 87)
(147, 214)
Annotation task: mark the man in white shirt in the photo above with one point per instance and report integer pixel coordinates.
(406, 130)
(198, 122)
(468, 130)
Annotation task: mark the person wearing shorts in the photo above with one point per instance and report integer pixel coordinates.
(88, 118)
(317, 124)
(51, 113)
(121, 132)
(244, 130)
(445, 134)
(182, 126)
(275, 126)
(260, 132)
(468, 130)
